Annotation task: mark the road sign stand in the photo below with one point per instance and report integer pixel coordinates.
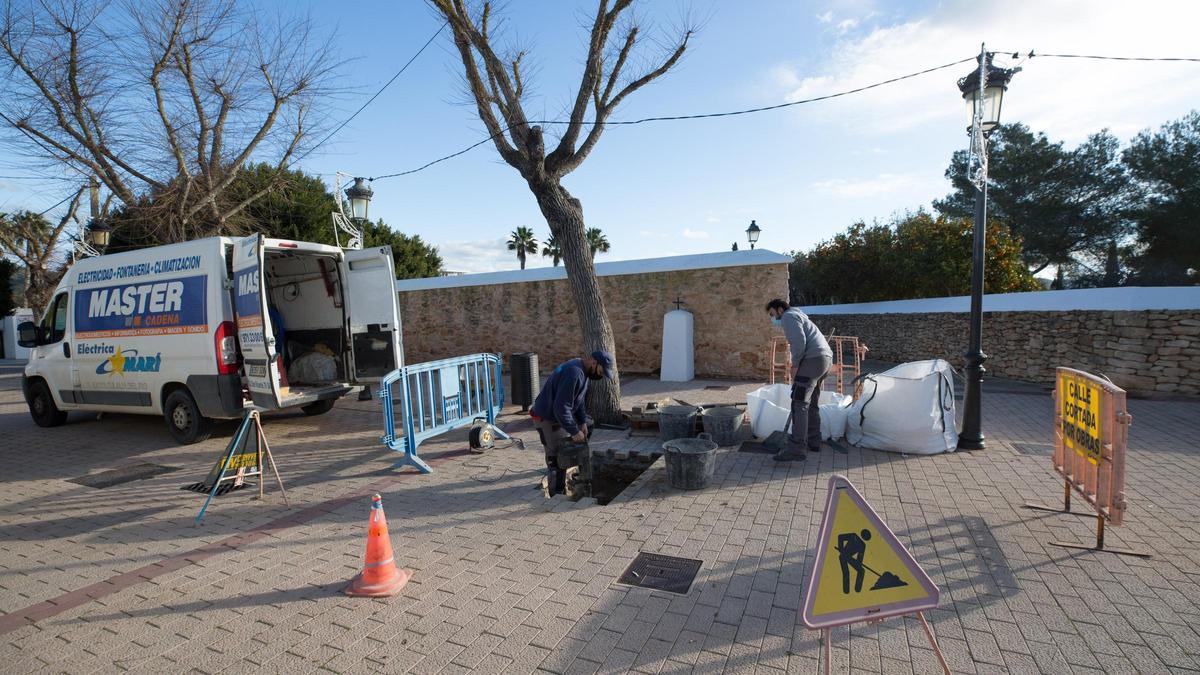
(826, 639)
(933, 642)
(827, 644)
(251, 423)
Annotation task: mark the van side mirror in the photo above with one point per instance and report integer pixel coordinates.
(27, 334)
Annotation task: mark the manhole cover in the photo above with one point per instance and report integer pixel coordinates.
(661, 572)
(718, 387)
(123, 475)
(1034, 448)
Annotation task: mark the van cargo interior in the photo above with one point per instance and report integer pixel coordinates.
(306, 307)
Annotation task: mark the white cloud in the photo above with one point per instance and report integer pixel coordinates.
(652, 233)
(847, 25)
(1067, 98)
(689, 233)
(484, 255)
(884, 183)
(825, 18)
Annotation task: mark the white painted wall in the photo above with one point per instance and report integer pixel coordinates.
(8, 330)
(1129, 298)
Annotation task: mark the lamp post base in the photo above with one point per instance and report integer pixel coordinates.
(971, 437)
(971, 443)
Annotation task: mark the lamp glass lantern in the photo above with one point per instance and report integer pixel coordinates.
(359, 195)
(993, 94)
(97, 234)
(752, 233)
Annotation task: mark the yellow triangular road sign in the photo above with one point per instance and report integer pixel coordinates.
(862, 572)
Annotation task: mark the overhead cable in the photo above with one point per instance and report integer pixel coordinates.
(671, 118)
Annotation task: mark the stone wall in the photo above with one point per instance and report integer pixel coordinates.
(732, 331)
(1147, 353)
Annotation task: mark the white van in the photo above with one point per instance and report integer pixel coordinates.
(192, 330)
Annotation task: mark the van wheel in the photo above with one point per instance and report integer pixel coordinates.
(320, 407)
(184, 420)
(42, 408)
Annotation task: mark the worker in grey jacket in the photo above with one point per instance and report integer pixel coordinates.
(811, 360)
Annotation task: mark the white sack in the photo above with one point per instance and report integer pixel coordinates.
(908, 409)
(313, 368)
(834, 415)
(768, 408)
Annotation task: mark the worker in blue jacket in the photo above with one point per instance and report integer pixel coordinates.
(560, 411)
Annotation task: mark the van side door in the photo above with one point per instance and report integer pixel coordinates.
(373, 314)
(260, 354)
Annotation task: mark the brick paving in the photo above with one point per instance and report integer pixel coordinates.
(505, 581)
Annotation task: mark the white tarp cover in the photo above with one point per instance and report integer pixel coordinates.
(908, 409)
(768, 407)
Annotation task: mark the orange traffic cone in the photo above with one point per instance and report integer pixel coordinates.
(380, 577)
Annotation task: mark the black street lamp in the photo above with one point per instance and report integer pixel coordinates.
(359, 195)
(752, 233)
(983, 90)
(92, 239)
(97, 234)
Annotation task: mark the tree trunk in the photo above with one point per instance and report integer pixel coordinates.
(39, 285)
(564, 215)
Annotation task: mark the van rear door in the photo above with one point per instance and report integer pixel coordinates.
(255, 335)
(373, 314)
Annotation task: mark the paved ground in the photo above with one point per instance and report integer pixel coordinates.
(121, 579)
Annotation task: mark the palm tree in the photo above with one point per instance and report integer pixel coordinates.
(552, 249)
(597, 242)
(522, 241)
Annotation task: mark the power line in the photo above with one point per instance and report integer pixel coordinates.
(381, 90)
(64, 201)
(672, 118)
(1112, 58)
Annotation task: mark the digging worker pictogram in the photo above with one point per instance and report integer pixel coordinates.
(851, 549)
(560, 411)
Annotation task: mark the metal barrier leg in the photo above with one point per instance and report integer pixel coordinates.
(1066, 504)
(413, 460)
(1099, 547)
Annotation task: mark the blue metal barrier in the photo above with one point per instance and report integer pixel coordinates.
(438, 396)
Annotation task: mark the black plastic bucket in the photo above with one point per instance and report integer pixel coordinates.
(724, 424)
(676, 421)
(690, 462)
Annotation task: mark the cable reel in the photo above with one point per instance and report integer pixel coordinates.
(482, 437)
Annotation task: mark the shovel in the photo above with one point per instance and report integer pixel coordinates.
(778, 440)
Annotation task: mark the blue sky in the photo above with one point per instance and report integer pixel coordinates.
(803, 173)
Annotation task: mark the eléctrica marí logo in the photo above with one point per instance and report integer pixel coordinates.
(129, 361)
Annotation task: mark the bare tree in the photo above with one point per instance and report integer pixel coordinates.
(162, 101)
(30, 238)
(497, 86)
